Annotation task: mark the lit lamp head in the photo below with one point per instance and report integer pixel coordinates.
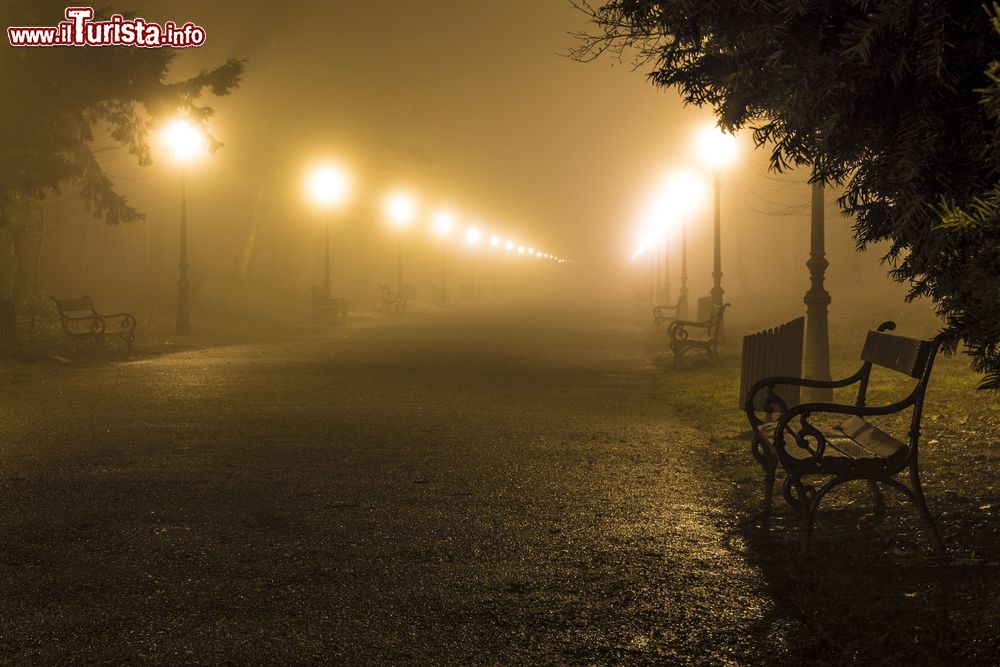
(494, 241)
(716, 148)
(531, 251)
(328, 185)
(683, 193)
(520, 250)
(472, 236)
(443, 223)
(401, 209)
(185, 141)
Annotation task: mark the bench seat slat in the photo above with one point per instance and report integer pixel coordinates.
(850, 444)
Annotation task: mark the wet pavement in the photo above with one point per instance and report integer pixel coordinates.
(459, 488)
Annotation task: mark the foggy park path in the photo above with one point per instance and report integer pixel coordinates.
(459, 488)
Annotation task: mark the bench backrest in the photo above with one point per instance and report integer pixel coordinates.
(706, 308)
(904, 355)
(82, 303)
(773, 352)
(715, 321)
(909, 356)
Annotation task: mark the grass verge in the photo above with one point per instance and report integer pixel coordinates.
(871, 591)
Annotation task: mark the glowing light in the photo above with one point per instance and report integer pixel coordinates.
(520, 250)
(328, 185)
(443, 222)
(531, 251)
(185, 141)
(509, 245)
(472, 236)
(494, 241)
(401, 208)
(685, 191)
(716, 148)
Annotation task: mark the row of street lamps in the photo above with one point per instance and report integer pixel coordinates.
(329, 186)
(677, 198)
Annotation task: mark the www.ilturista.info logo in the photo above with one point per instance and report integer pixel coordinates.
(79, 29)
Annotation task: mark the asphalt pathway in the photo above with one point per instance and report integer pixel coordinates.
(464, 488)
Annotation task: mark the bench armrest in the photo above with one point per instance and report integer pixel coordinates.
(689, 323)
(811, 439)
(772, 382)
(127, 319)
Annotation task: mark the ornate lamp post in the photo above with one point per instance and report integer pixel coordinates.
(717, 150)
(494, 244)
(443, 223)
(817, 359)
(685, 192)
(472, 236)
(328, 186)
(186, 143)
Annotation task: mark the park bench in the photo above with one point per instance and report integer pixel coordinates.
(800, 438)
(774, 352)
(327, 308)
(79, 319)
(666, 313)
(391, 301)
(700, 334)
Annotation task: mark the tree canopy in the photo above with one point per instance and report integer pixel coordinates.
(58, 101)
(894, 100)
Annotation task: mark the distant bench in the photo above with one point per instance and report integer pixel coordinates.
(326, 308)
(853, 449)
(700, 334)
(392, 301)
(79, 319)
(666, 313)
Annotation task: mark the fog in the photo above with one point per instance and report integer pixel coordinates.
(474, 107)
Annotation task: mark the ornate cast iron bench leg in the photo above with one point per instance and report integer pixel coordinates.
(769, 462)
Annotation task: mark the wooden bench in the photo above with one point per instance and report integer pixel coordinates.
(852, 449)
(663, 314)
(327, 308)
(392, 301)
(774, 352)
(79, 319)
(705, 329)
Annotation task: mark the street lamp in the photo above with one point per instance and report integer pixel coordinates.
(328, 186)
(443, 223)
(717, 150)
(400, 207)
(685, 190)
(494, 244)
(472, 236)
(186, 143)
